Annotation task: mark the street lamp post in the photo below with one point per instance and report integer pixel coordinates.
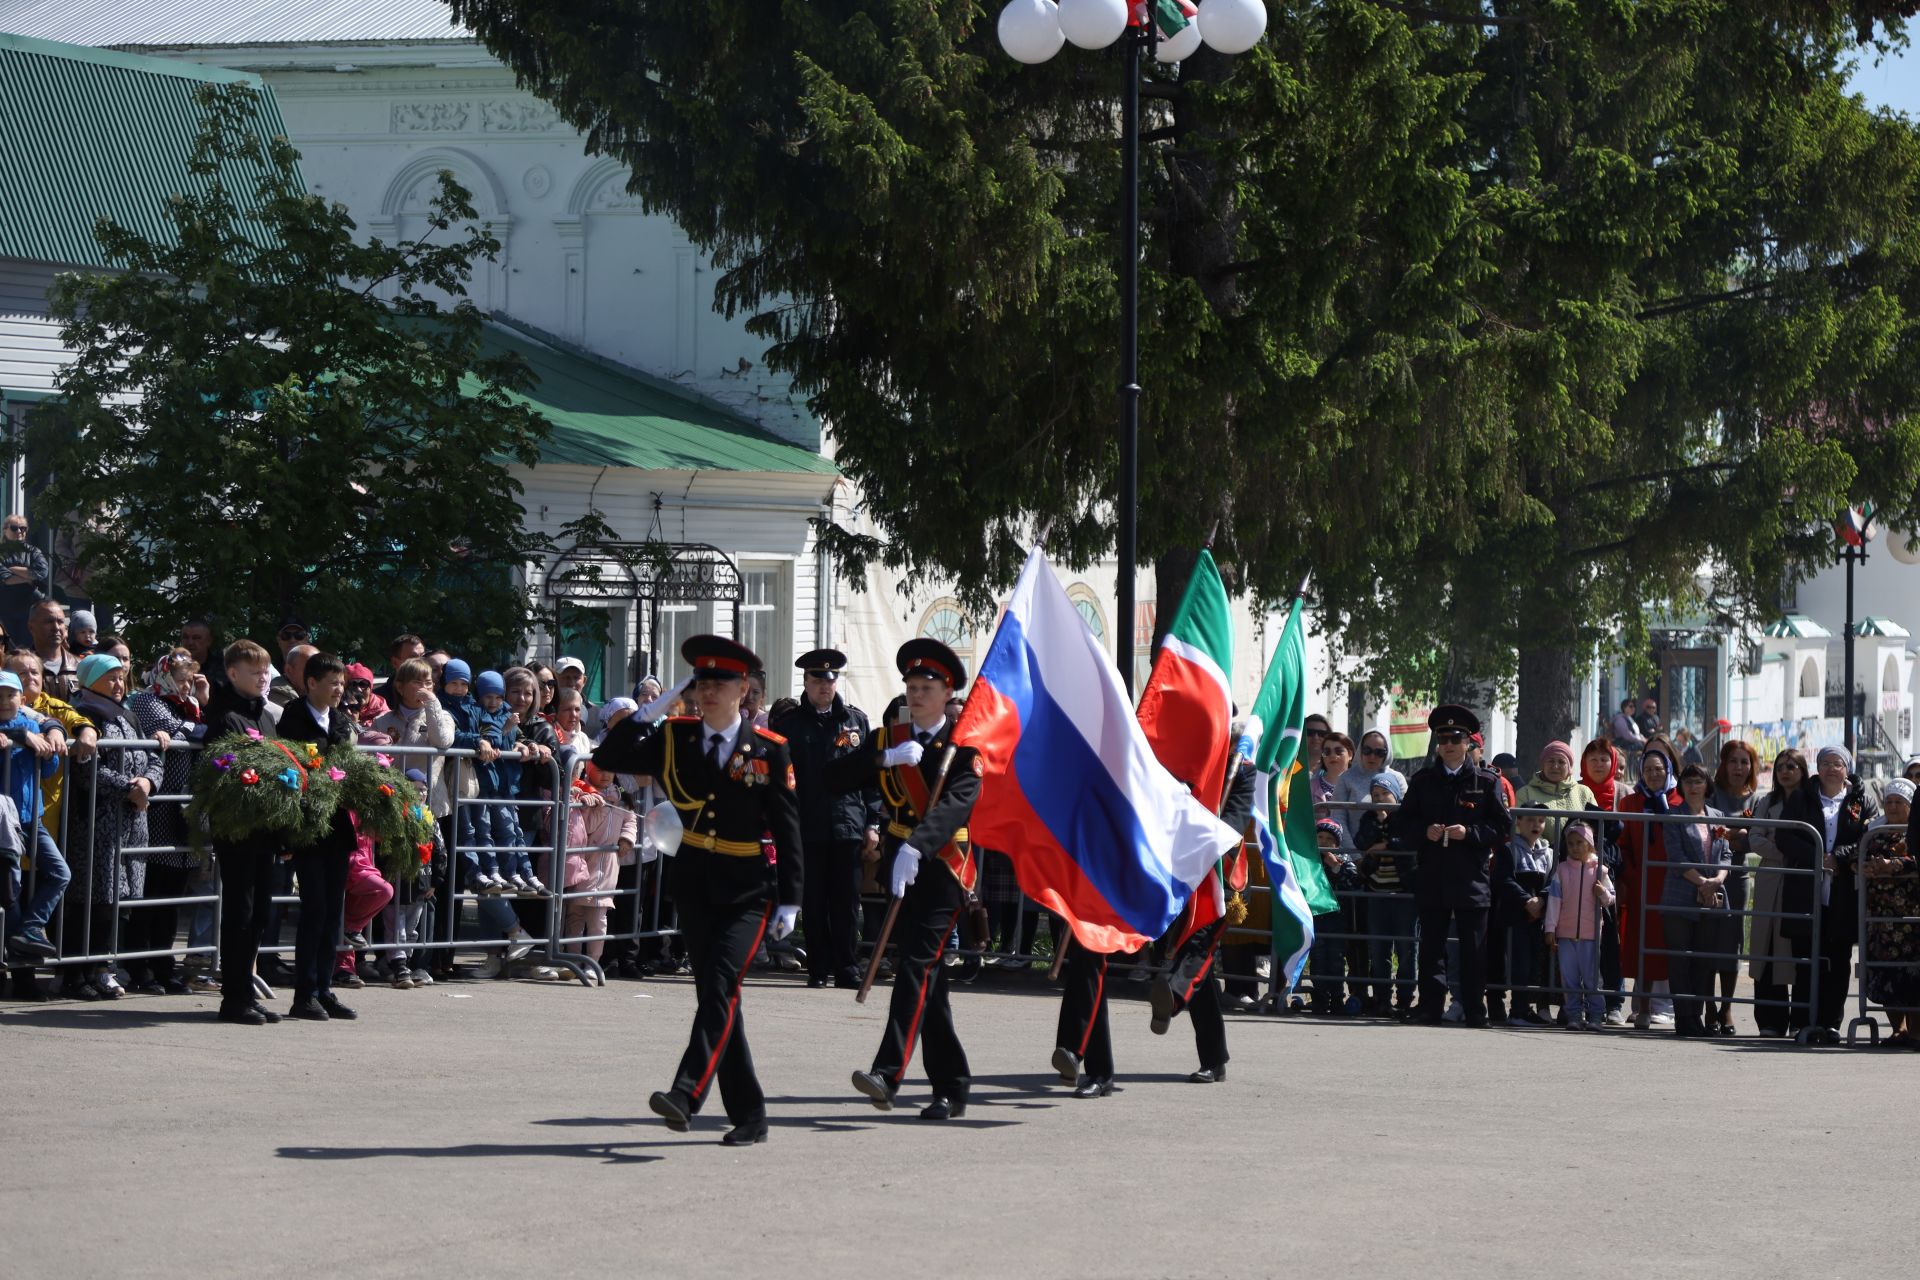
(1857, 528)
(1033, 31)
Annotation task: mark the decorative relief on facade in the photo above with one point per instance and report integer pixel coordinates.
(518, 117)
(431, 117)
(537, 181)
(613, 197)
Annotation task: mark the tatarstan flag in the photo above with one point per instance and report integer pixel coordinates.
(1187, 705)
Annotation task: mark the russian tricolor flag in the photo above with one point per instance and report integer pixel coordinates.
(1097, 829)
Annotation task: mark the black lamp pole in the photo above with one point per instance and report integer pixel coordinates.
(1852, 555)
(1131, 45)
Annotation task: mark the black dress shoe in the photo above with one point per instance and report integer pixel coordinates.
(1160, 997)
(671, 1107)
(944, 1108)
(27, 988)
(1067, 1063)
(308, 1010)
(247, 1017)
(1208, 1075)
(843, 982)
(335, 1009)
(745, 1135)
(266, 1014)
(816, 982)
(1094, 1087)
(876, 1089)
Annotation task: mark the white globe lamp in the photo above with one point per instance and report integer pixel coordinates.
(1030, 30)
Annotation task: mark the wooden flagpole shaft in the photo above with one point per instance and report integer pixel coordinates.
(879, 949)
(1059, 958)
(893, 908)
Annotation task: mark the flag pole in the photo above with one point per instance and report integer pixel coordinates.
(1276, 971)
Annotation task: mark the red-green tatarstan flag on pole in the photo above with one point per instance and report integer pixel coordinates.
(1188, 704)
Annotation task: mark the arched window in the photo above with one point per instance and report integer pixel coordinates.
(946, 622)
(1809, 679)
(1087, 604)
(1890, 675)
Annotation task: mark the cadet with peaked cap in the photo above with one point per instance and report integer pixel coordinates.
(728, 783)
(911, 761)
(1454, 816)
(838, 828)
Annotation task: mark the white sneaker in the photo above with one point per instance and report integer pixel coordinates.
(1662, 1019)
(522, 943)
(534, 886)
(421, 978)
(491, 967)
(518, 883)
(1454, 1013)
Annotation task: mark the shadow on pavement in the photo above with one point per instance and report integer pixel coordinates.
(107, 1017)
(606, 1152)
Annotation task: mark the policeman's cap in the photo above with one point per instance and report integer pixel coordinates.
(1453, 718)
(825, 663)
(718, 658)
(928, 657)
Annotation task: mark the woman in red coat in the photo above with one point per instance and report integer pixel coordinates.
(1643, 874)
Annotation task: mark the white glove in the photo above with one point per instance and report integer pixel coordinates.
(908, 752)
(783, 921)
(906, 865)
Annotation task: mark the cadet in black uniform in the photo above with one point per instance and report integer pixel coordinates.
(1190, 983)
(730, 783)
(907, 760)
(1454, 816)
(838, 827)
(1082, 1041)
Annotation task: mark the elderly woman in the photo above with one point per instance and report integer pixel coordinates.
(169, 709)
(1643, 877)
(1891, 948)
(108, 794)
(1843, 813)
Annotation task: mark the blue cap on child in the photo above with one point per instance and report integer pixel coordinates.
(489, 682)
(457, 669)
(8, 680)
(414, 775)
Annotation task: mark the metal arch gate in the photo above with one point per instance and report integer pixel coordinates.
(647, 574)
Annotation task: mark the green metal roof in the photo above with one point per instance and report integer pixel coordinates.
(605, 415)
(1874, 625)
(1797, 626)
(89, 133)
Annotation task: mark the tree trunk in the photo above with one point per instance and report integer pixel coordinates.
(1170, 573)
(1549, 703)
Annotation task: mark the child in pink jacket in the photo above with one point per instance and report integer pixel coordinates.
(367, 894)
(1578, 895)
(600, 839)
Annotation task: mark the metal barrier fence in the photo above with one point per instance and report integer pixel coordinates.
(1877, 931)
(90, 934)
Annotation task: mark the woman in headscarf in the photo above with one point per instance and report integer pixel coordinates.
(1890, 952)
(1643, 880)
(1599, 773)
(169, 709)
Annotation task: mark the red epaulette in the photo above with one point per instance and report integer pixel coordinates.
(769, 735)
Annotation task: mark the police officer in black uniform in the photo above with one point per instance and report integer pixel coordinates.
(1192, 982)
(932, 871)
(1454, 816)
(729, 784)
(838, 827)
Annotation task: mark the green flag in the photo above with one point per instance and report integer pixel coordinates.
(1282, 708)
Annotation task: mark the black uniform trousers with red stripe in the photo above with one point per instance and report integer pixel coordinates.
(721, 942)
(1196, 988)
(919, 1009)
(1083, 1010)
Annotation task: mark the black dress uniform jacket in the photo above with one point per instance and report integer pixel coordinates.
(1453, 874)
(815, 739)
(930, 832)
(735, 805)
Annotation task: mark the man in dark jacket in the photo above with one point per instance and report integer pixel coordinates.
(1454, 816)
(246, 867)
(837, 828)
(24, 576)
(318, 717)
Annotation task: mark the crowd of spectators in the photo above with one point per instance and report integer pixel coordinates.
(1597, 920)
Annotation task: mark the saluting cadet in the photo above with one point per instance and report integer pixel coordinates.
(928, 786)
(1454, 816)
(728, 784)
(1191, 983)
(839, 827)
